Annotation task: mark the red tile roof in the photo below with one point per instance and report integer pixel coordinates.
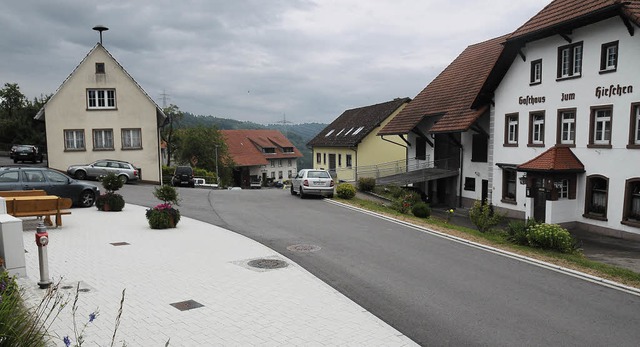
(245, 146)
(562, 13)
(452, 93)
(554, 159)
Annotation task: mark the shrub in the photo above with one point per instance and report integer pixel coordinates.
(345, 191)
(167, 193)
(405, 202)
(421, 210)
(366, 184)
(518, 230)
(163, 216)
(484, 217)
(550, 236)
(111, 182)
(110, 202)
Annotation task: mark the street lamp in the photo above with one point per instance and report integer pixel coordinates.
(217, 175)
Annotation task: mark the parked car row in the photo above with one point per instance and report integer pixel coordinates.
(51, 181)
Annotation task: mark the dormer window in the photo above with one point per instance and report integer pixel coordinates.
(99, 68)
(269, 150)
(287, 149)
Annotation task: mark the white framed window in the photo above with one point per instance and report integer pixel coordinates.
(563, 189)
(103, 139)
(602, 127)
(74, 140)
(567, 127)
(101, 99)
(635, 124)
(570, 60)
(131, 139)
(279, 162)
(273, 163)
(609, 57)
(536, 71)
(537, 129)
(511, 129)
(289, 162)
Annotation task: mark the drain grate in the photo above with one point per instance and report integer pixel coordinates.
(303, 248)
(120, 243)
(187, 305)
(268, 263)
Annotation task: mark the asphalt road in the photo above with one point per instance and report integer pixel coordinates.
(434, 290)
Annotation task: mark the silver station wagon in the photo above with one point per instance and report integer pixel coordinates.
(312, 182)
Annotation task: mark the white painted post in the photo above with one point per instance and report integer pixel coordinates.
(11, 242)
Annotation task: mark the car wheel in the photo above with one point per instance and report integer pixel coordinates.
(124, 179)
(293, 192)
(302, 195)
(81, 175)
(87, 198)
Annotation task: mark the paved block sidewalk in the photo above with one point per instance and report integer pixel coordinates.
(242, 305)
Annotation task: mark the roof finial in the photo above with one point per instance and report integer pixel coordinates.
(100, 28)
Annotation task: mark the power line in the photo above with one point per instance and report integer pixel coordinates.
(165, 98)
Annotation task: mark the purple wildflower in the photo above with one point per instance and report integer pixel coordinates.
(92, 316)
(67, 341)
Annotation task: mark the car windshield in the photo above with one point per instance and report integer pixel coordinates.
(24, 148)
(318, 174)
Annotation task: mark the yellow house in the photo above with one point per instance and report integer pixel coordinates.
(349, 147)
(101, 112)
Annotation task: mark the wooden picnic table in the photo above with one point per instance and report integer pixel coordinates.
(37, 206)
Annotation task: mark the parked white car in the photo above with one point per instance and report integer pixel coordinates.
(312, 182)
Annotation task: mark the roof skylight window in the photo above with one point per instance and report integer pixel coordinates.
(340, 132)
(347, 133)
(330, 132)
(357, 131)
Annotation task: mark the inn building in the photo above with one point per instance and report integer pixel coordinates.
(565, 125)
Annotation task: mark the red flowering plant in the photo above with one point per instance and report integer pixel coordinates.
(165, 215)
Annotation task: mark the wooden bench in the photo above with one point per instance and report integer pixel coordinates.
(38, 206)
(14, 193)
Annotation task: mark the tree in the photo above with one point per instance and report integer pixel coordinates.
(198, 145)
(16, 118)
(11, 100)
(174, 116)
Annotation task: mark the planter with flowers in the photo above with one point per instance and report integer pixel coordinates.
(110, 200)
(165, 215)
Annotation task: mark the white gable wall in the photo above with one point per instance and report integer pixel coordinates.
(68, 110)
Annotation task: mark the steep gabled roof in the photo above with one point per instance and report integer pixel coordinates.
(244, 146)
(355, 124)
(560, 16)
(159, 113)
(555, 159)
(452, 94)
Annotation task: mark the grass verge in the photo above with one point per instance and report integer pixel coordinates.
(498, 239)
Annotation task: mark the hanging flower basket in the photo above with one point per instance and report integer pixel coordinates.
(163, 216)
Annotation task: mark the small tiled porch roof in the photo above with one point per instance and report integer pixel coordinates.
(555, 159)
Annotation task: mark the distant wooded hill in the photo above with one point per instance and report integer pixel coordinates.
(298, 134)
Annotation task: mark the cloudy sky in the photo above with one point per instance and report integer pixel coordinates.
(254, 60)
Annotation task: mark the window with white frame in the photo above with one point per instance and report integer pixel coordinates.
(637, 123)
(596, 197)
(103, 139)
(511, 130)
(273, 163)
(570, 60)
(567, 127)
(101, 99)
(631, 211)
(74, 140)
(509, 181)
(536, 135)
(609, 57)
(563, 188)
(289, 162)
(601, 126)
(131, 138)
(536, 72)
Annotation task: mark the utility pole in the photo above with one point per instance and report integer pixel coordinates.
(284, 123)
(165, 97)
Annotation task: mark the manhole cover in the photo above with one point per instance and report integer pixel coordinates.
(267, 263)
(304, 248)
(187, 305)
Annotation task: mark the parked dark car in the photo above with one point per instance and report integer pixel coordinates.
(183, 176)
(124, 170)
(26, 153)
(53, 182)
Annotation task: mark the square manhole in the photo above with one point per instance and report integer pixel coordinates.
(187, 305)
(120, 243)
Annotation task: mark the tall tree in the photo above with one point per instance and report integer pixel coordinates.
(199, 146)
(174, 117)
(11, 100)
